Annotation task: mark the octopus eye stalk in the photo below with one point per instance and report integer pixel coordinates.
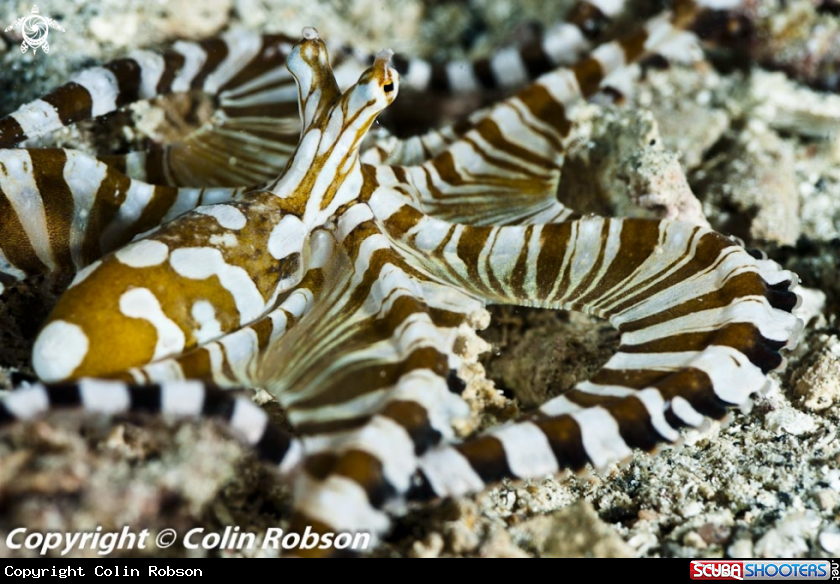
(390, 78)
(309, 63)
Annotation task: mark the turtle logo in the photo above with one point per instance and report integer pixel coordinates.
(35, 29)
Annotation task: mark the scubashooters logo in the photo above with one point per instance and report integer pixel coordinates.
(35, 29)
(764, 570)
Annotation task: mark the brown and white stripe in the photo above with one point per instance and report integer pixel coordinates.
(224, 266)
(62, 210)
(672, 43)
(234, 359)
(512, 67)
(178, 399)
(256, 127)
(247, 72)
(701, 322)
(209, 66)
(503, 165)
(368, 384)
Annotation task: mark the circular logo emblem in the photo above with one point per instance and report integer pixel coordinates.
(35, 29)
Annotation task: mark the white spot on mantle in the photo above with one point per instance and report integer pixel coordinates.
(59, 350)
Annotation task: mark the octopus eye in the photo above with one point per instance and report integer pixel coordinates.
(388, 87)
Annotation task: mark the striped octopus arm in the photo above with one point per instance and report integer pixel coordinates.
(701, 320)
